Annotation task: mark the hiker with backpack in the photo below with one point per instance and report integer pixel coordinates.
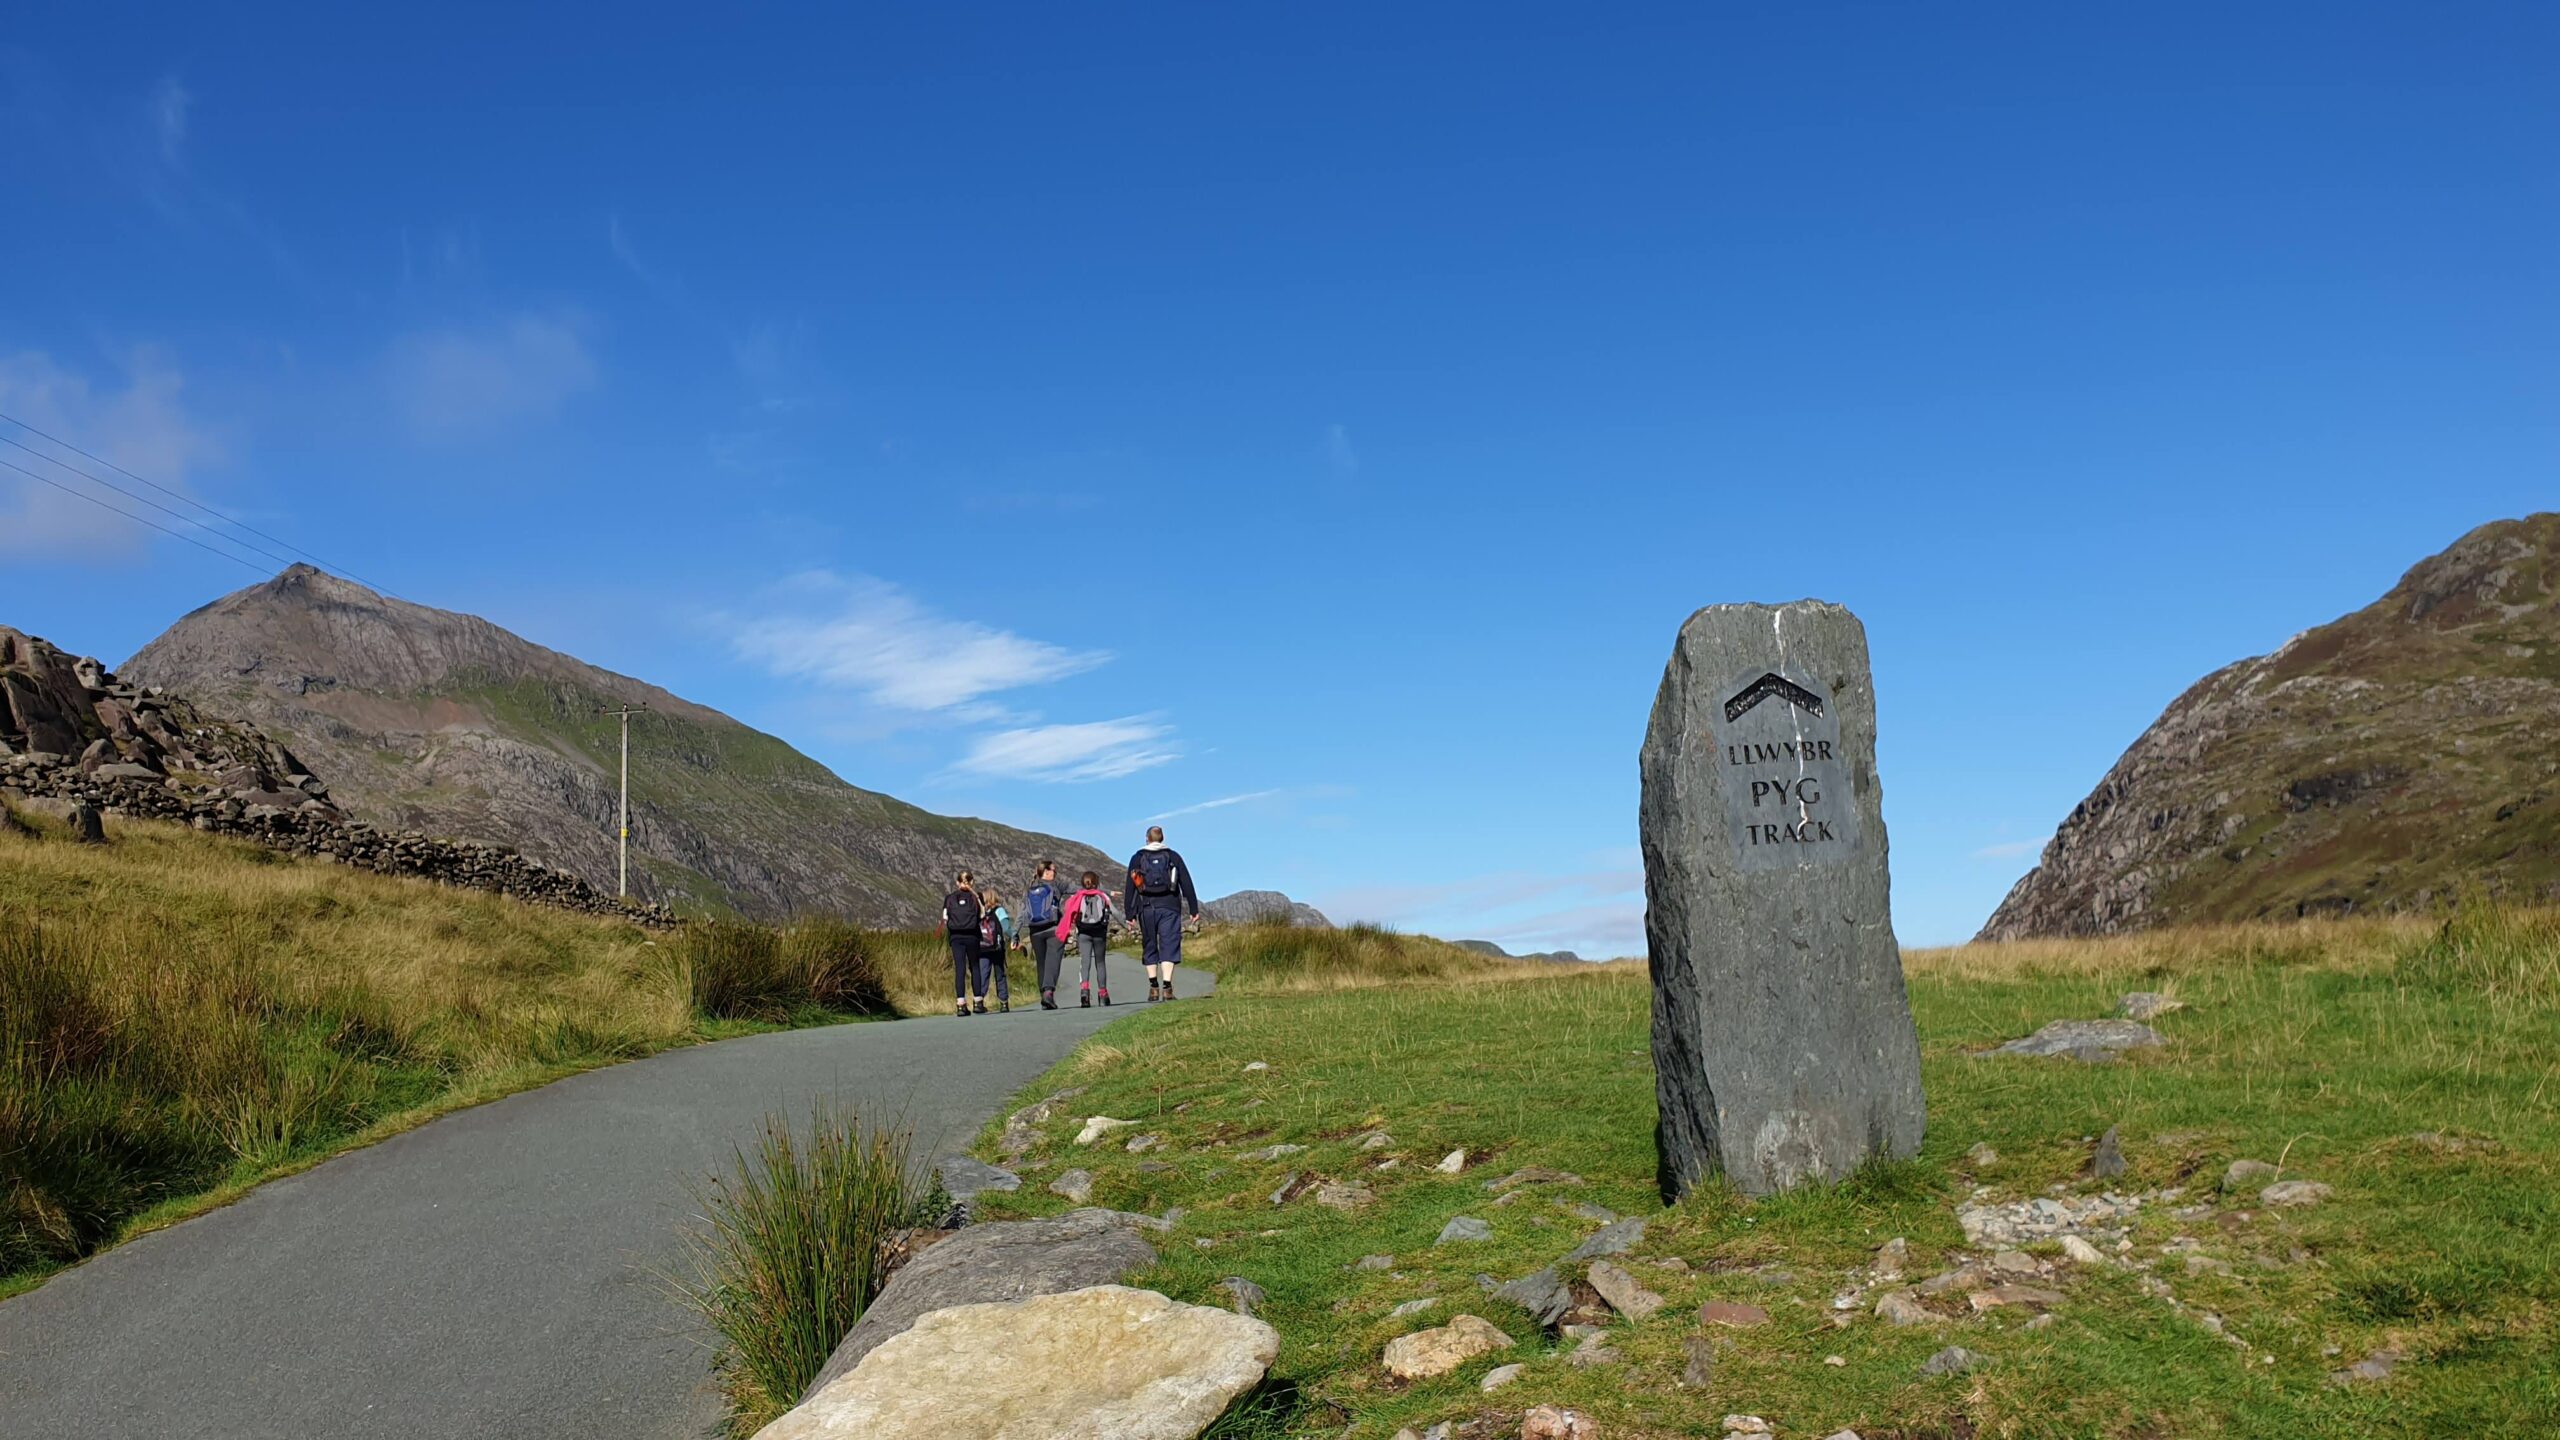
(961, 917)
(1040, 916)
(995, 936)
(1087, 917)
(1159, 891)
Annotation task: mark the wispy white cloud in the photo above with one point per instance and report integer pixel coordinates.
(142, 426)
(868, 636)
(168, 112)
(460, 384)
(1093, 750)
(1220, 803)
(1338, 453)
(2010, 849)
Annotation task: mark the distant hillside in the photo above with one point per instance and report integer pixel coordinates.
(1261, 907)
(1487, 947)
(428, 720)
(2379, 762)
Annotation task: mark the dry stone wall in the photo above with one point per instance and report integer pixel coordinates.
(74, 738)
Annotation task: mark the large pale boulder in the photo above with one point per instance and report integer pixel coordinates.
(1009, 1260)
(1105, 1363)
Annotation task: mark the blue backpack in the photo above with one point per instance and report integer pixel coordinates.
(1038, 898)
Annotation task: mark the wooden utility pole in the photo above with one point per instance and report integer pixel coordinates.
(622, 819)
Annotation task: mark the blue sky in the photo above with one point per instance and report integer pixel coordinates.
(1311, 423)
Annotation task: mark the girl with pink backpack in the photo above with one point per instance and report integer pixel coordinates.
(1085, 918)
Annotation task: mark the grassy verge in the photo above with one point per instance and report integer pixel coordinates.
(182, 1017)
(2413, 1069)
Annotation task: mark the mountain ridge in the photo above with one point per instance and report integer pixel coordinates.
(447, 723)
(2386, 760)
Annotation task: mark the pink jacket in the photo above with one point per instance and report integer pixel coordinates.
(1074, 903)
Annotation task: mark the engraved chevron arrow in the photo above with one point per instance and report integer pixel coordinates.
(1767, 686)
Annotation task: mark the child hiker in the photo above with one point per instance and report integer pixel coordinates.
(1040, 923)
(961, 915)
(1087, 918)
(995, 936)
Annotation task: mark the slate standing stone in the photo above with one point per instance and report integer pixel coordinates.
(1782, 1039)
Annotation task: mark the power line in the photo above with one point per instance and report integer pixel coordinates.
(176, 495)
(129, 515)
(147, 500)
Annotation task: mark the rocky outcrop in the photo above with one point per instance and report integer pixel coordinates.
(1545, 957)
(75, 739)
(1101, 1363)
(1262, 907)
(2380, 762)
(444, 723)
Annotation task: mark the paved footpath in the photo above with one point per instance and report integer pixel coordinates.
(497, 1273)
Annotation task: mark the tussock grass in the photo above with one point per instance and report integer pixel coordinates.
(790, 1253)
(754, 972)
(182, 1016)
(1294, 960)
(2409, 1064)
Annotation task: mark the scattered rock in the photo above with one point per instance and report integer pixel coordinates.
(1549, 1422)
(1341, 1195)
(1982, 1156)
(1891, 1257)
(1596, 1214)
(2047, 1217)
(1004, 1261)
(1248, 1296)
(1594, 1350)
(1730, 1314)
(1374, 1262)
(1412, 1307)
(1463, 1228)
(1437, 1351)
(2017, 1262)
(1106, 1360)
(1271, 1152)
(1548, 1297)
(1624, 1292)
(1099, 1126)
(1964, 1278)
(1615, 1239)
(1376, 1140)
(1452, 1163)
(2040, 1322)
(1144, 1143)
(2148, 1005)
(1835, 1361)
(2085, 1040)
(1076, 1185)
(1499, 1376)
(1298, 1183)
(2376, 1366)
(1698, 1367)
(1255, 1066)
(2108, 1163)
(1896, 1307)
(2244, 1173)
(1954, 1360)
(2003, 1295)
(2289, 1194)
(964, 1179)
(1748, 1425)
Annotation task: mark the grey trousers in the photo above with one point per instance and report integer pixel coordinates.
(1091, 951)
(1047, 953)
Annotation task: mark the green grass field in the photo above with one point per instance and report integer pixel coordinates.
(2413, 1068)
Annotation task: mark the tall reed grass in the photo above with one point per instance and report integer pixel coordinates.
(791, 1250)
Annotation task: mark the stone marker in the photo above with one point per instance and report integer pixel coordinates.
(1782, 1040)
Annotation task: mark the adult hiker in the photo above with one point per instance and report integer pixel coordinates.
(1088, 920)
(1040, 925)
(961, 914)
(1159, 891)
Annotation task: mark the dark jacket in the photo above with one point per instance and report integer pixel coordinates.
(1131, 895)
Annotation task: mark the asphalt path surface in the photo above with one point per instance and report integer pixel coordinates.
(500, 1272)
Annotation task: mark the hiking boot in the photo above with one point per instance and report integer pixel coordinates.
(1106, 997)
(980, 1007)
(1084, 997)
(1006, 1006)
(964, 1009)
(1168, 987)
(1048, 999)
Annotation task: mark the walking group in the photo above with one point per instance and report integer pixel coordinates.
(1154, 902)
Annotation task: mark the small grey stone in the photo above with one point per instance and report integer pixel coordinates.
(2085, 1040)
(2147, 1005)
(1499, 1376)
(1412, 1307)
(1142, 1144)
(1699, 1368)
(1612, 1239)
(1543, 1294)
(1464, 1227)
(1076, 1185)
(2291, 1193)
(1597, 1214)
(1248, 1297)
(1272, 1152)
(1376, 1140)
(2108, 1163)
(1894, 1307)
(964, 1178)
(1982, 1155)
(1375, 1262)
(1954, 1360)
(1289, 1188)
(2244, 1173)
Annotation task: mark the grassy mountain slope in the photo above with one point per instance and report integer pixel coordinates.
(2383, 761)
(429, 720)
